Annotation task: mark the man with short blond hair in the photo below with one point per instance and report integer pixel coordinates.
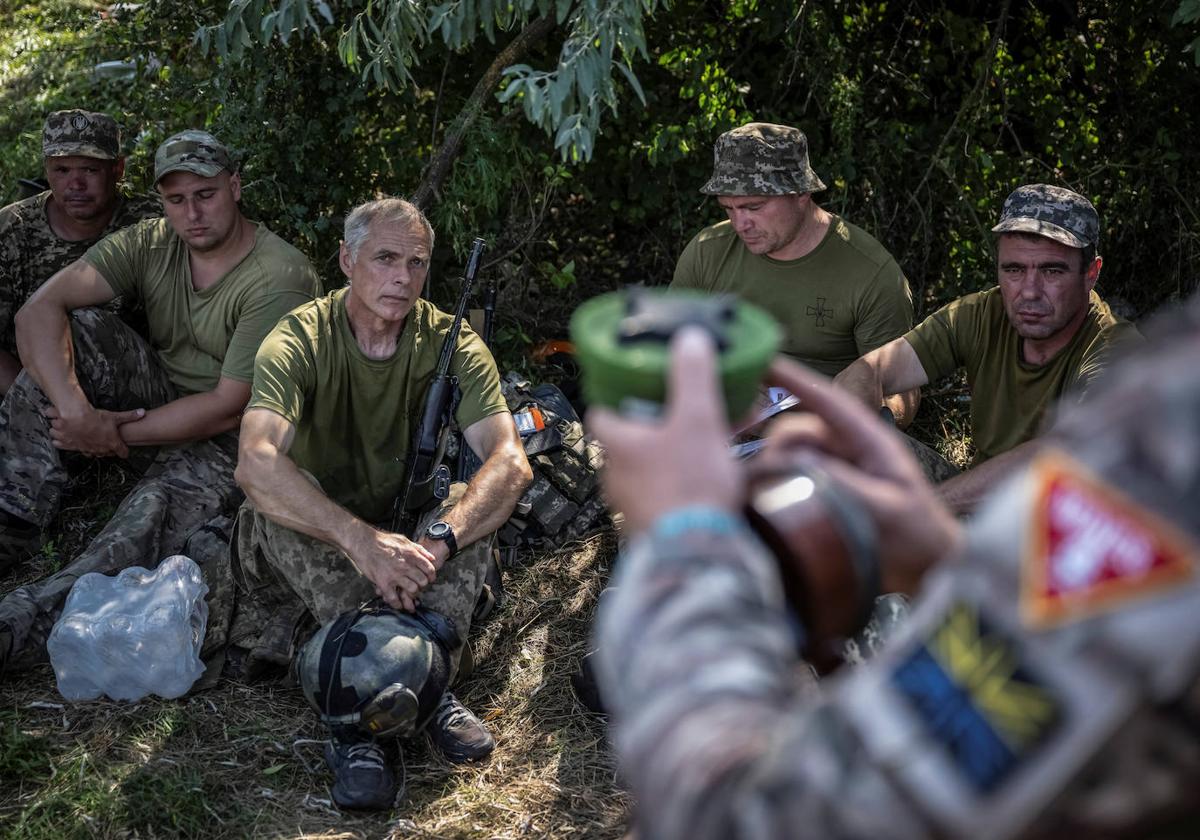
(46, 232)
(213, 284)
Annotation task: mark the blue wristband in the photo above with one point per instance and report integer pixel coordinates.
(676, 523)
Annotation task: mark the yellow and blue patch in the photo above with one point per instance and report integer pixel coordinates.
(967, 685)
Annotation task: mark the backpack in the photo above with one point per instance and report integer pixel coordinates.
(563, 503)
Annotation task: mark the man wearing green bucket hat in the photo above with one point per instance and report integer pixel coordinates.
(835, 290)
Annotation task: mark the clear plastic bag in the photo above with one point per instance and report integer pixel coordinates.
(131, 635)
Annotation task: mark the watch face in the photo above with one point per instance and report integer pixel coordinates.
(439, 531)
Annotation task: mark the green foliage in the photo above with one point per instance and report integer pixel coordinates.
(567, 101)
(1188, 13)
(384, 40)
(921, 117)
(561, 277)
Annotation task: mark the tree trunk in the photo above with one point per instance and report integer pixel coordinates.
(443, 158)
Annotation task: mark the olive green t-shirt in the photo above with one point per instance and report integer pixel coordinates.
(201, 336)
(845, 298)
(1009, 397)
(355, 416)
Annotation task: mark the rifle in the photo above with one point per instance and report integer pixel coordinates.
(426, 479)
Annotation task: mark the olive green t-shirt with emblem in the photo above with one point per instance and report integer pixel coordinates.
(201, 336)
(355, 416)
(31, 252)
(1009, 397)
(843, 299)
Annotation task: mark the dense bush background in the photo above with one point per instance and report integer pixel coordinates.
(921, 115)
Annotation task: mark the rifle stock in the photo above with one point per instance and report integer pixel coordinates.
(425, 478)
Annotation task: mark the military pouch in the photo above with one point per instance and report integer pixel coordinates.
(563, 501)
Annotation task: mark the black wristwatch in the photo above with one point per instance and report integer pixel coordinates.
(442, 531)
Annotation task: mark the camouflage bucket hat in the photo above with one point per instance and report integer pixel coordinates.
(82, 133)
(1053, 212)
(192, 151)
(762, 159)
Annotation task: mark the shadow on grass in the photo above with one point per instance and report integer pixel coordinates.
(246, 760)
(65, 776)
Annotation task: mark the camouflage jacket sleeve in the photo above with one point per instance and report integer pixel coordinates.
(1029, 693)
(719, 728)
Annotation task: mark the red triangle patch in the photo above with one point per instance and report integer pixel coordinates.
(1091, 548)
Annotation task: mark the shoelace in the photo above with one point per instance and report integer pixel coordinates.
(366, 754)
(449, 711)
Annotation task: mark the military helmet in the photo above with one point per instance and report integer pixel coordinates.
(378, 670)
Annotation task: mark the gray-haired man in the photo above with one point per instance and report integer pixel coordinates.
(1042, 332)
(338, 391)
(213, 284)
(46, 232)
(835, 290)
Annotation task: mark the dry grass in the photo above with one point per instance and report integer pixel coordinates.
(246, 760)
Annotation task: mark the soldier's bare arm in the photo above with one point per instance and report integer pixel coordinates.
(891, 369)
(398, 567)
(494, 490)
(194, 417)
(44, 342)
(963, 493)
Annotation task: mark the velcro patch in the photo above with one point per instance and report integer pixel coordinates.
(1091, 548)
(968, 686)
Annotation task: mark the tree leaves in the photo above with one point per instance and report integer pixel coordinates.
(382, 39)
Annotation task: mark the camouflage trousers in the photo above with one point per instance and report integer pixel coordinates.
(936, 468)
(284, 577)
(182, 488)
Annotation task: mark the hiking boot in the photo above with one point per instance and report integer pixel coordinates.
(18, 540)
(362, 772)
(457, 733)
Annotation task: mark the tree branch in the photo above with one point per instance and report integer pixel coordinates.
(439, 166)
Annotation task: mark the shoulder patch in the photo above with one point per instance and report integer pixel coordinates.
(1091, 548)
(968, 686)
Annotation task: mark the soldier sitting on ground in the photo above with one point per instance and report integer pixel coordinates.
(48, 231)
(338, 391)
(833, 287)
(1030, 692)
(1038, 335)
(213, 284)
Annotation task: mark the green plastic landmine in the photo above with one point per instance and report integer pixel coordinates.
(622, 344)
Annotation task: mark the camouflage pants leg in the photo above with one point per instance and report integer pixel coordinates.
(186, 487)
(117, 371)
(277, 568)
(936, 468)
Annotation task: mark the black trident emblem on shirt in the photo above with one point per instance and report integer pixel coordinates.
(819, 312)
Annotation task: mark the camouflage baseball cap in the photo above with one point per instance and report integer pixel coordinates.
(1053, 212)
(82, 133)
(192, 151)
(762, 159)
